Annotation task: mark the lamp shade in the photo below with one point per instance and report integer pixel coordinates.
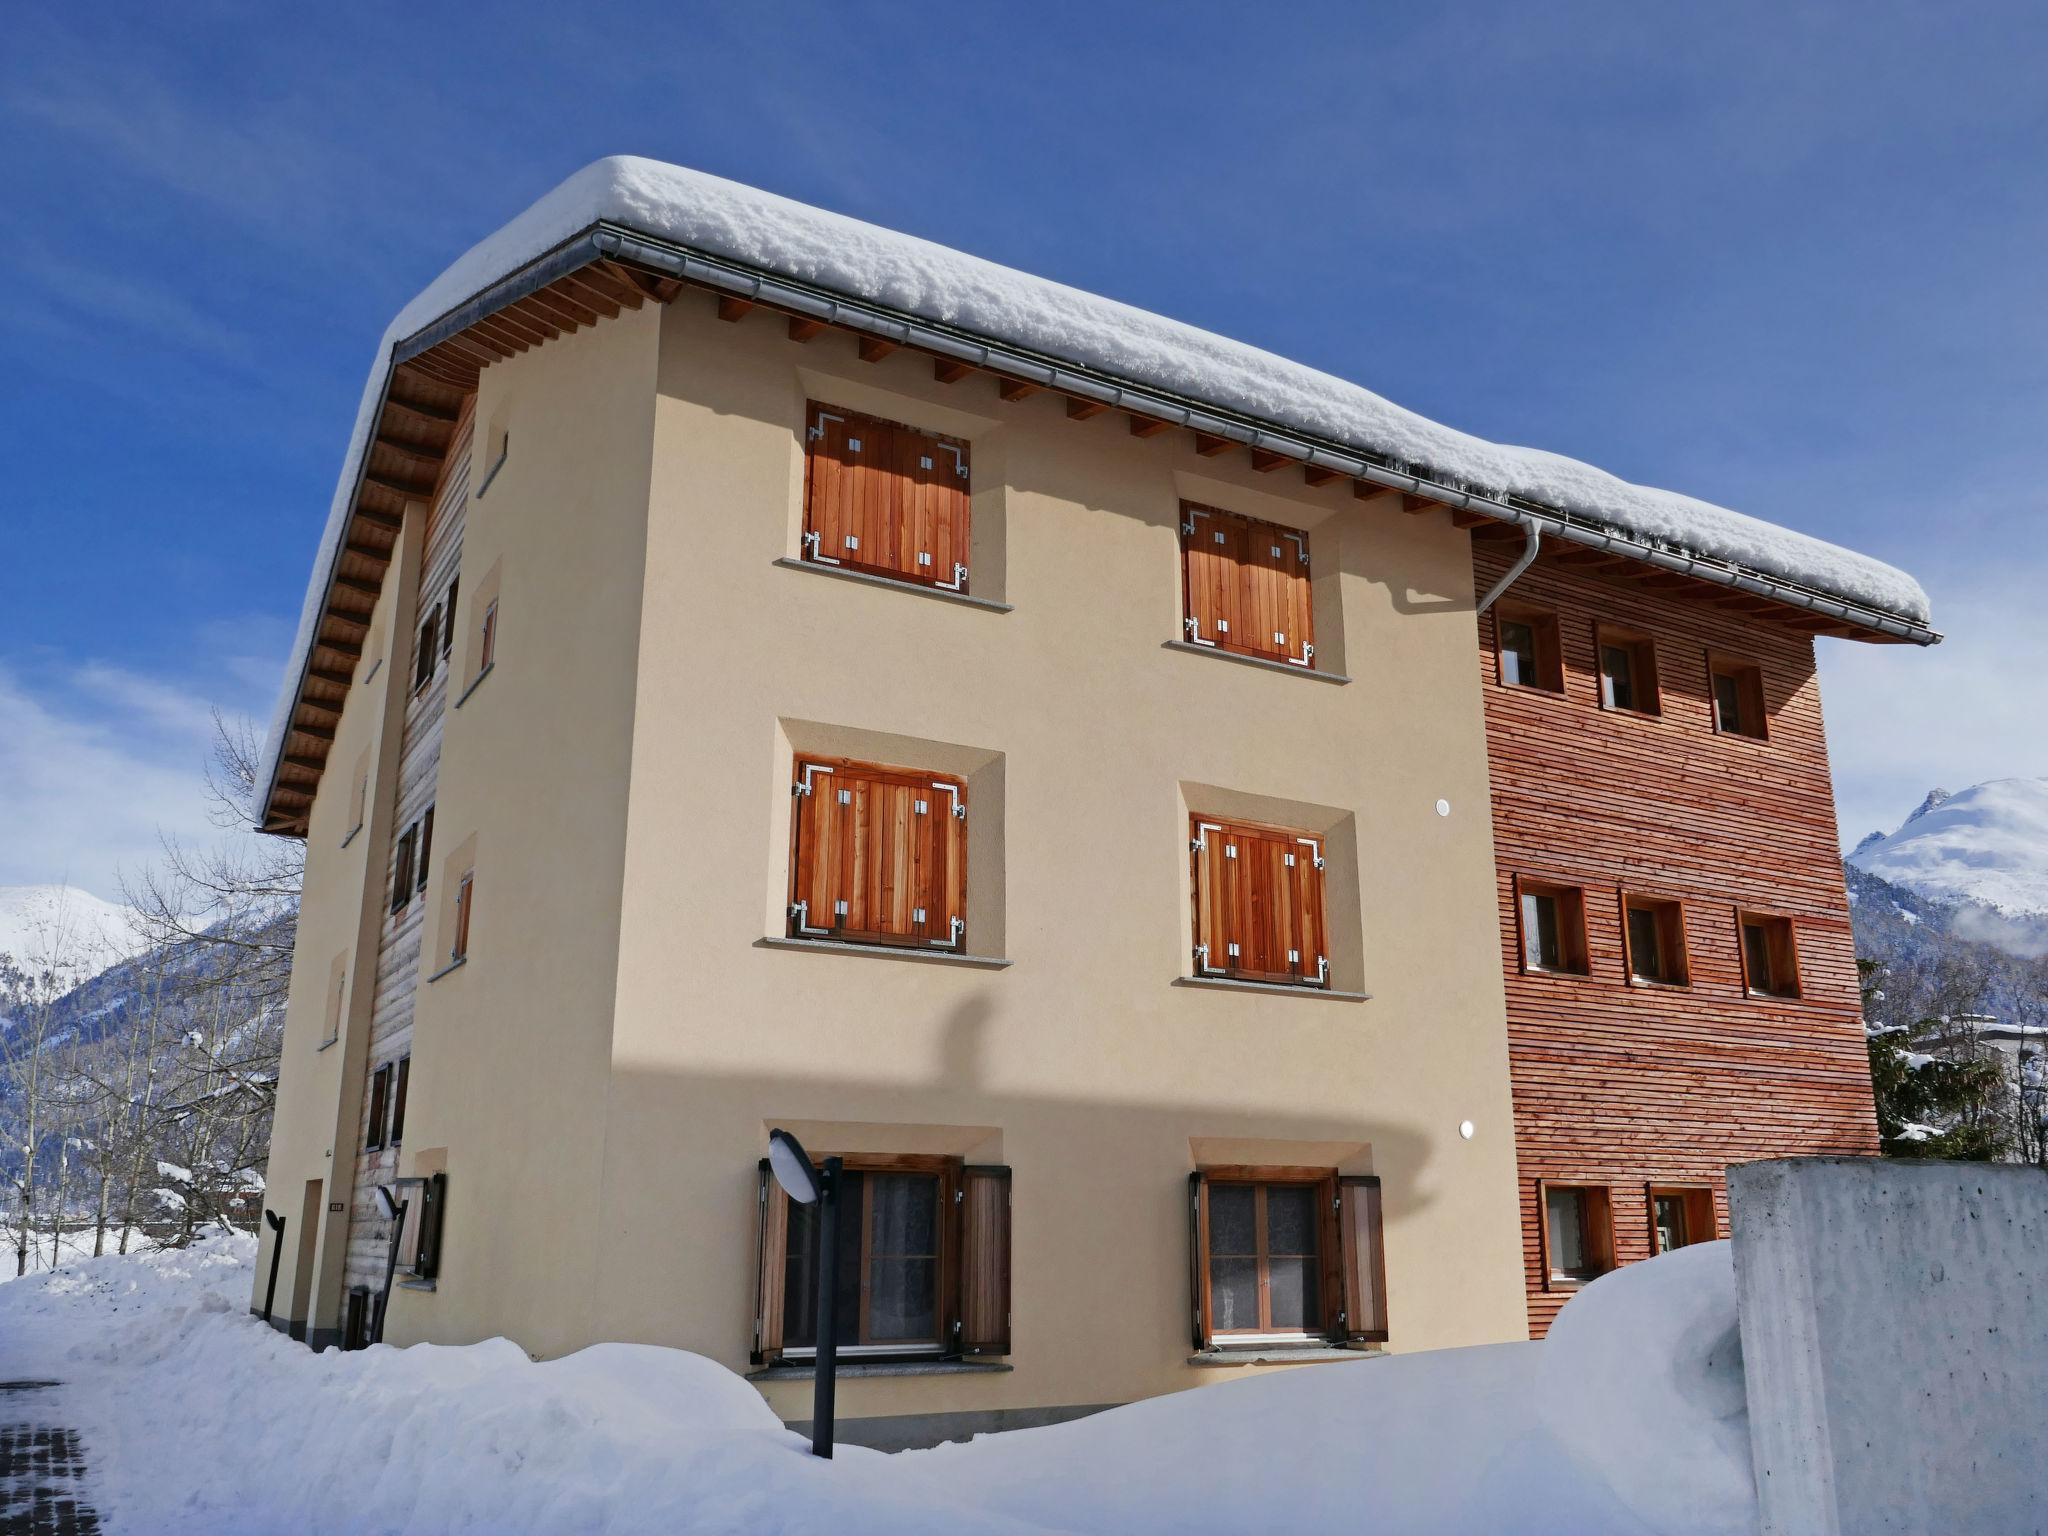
(792, 1167)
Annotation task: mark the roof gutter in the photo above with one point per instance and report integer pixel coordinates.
(621, 244)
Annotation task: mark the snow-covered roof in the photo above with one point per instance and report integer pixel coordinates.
(932, 283)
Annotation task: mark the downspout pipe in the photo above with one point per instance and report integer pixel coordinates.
(1534, 530)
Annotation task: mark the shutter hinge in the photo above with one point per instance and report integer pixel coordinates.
(814, 433)
(812, 541)
(1322, 969)
(1187, 530)
(959, 1198)
(1320, 861)
(1307, 652)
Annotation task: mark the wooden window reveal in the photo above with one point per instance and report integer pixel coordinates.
(879, 855)
(1653, 941)
(1627, 665)
(1578, 1233)
(1527, 653)
(924, 1261)
(1551, 923)
(1770, 957)
(885, 498)
(1259, 910)
(1680, 1215)
(1738, 694)
(1245, 585)
(1293, 1254)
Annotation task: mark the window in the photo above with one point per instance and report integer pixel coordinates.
(1287, 1255)
(924, 1261)
(359, 796)
(426, 847)
(448, 616)
(380, 1100)
(465, 900)
(487, 645)
(1245, 585)
(1653, 934)
(1552, 919)
(398, 1087)
(884, 498)
(1258, 895)
(1738, 697)
(402, 871)
(880, 855)
(1628, 669)
(419, 1228)
(1578, 1233)
(1680, 1215)
(1527, 649)
(423, 663)
(1770, 962)
(337, 994)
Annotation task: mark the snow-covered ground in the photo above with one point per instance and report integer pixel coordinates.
(197, 1418)
(82, 934)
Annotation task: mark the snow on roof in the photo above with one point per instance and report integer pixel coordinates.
(931, 282)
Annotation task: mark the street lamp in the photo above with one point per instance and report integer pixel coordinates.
(810, 1185)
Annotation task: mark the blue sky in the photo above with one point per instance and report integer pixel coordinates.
(1785, 257)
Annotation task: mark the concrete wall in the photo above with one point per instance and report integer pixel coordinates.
(1895, 1339)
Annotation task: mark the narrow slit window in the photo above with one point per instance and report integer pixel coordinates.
(429, 651)
(448, 617)
(487, 646)
(465, 902)
(380, 1089)
(398, 1088)
(402, 872)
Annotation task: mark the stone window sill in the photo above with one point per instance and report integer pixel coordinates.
(1254, 661)
(352, 831)
(418, 1285)
(475, 683)
(889, 952)
(806, 1371)
(1275, 988)
(452, 965)
(915, 588)
(1280, 1354)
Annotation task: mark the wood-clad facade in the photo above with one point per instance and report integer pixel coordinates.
(1623, 1084)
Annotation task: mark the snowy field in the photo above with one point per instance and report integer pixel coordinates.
(194, 1417)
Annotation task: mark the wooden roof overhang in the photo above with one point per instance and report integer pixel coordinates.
(608, 268)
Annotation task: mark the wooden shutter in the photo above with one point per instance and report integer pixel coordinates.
(426, 848)
(380, 1085)
(398, 1089)
(1198, 1262)
(880, 855)
(771, 1259)
(1246, 585)
(885, 498)
(433, 1197)
(401, 875)
(1259, 911)
(984, 1260)
(1362, 1260)
(448, 616)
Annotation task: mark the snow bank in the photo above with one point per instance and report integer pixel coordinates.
(196, 1417)
(931, 282)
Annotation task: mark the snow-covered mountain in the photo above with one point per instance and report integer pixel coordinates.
(1987, 845)
(80, 933)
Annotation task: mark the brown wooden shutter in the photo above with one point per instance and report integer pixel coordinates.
(380, 1085)
(881, 855)
(1362, 1257)
(984, 1260)
(398, 1091)
(1259, 910)
(1246, 585)
(1198, 1262)
(426, 849)
(433, 1203)
(886, 498)
(771, 1259)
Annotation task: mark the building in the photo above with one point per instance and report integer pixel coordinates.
(764, 671)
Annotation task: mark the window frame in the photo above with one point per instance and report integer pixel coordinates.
(1244, 572)
(1351, 1266)
(1572, 932)
(1701, 1221)
(448, 616)
(1643, 680)
(973, 1267)
(942, 795)
(1323, 1183)
(1782, 939)
(400, 1081)
(810, 543)
(374, 1138)
(465, 893)
(1312, 915)
(403, 870)
(1546, 645)
(1672, 939)
(1596, 1233)
(427, 660)
(1748, 677)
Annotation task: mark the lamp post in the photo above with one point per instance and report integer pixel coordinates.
(276, 1225)
(807, 1184)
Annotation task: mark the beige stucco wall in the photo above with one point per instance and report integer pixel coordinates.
(512, 1050)
(1081, 1065)
(600, 1076)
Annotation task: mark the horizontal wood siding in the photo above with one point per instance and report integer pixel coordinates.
(405, 931)
(1622, 1085)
